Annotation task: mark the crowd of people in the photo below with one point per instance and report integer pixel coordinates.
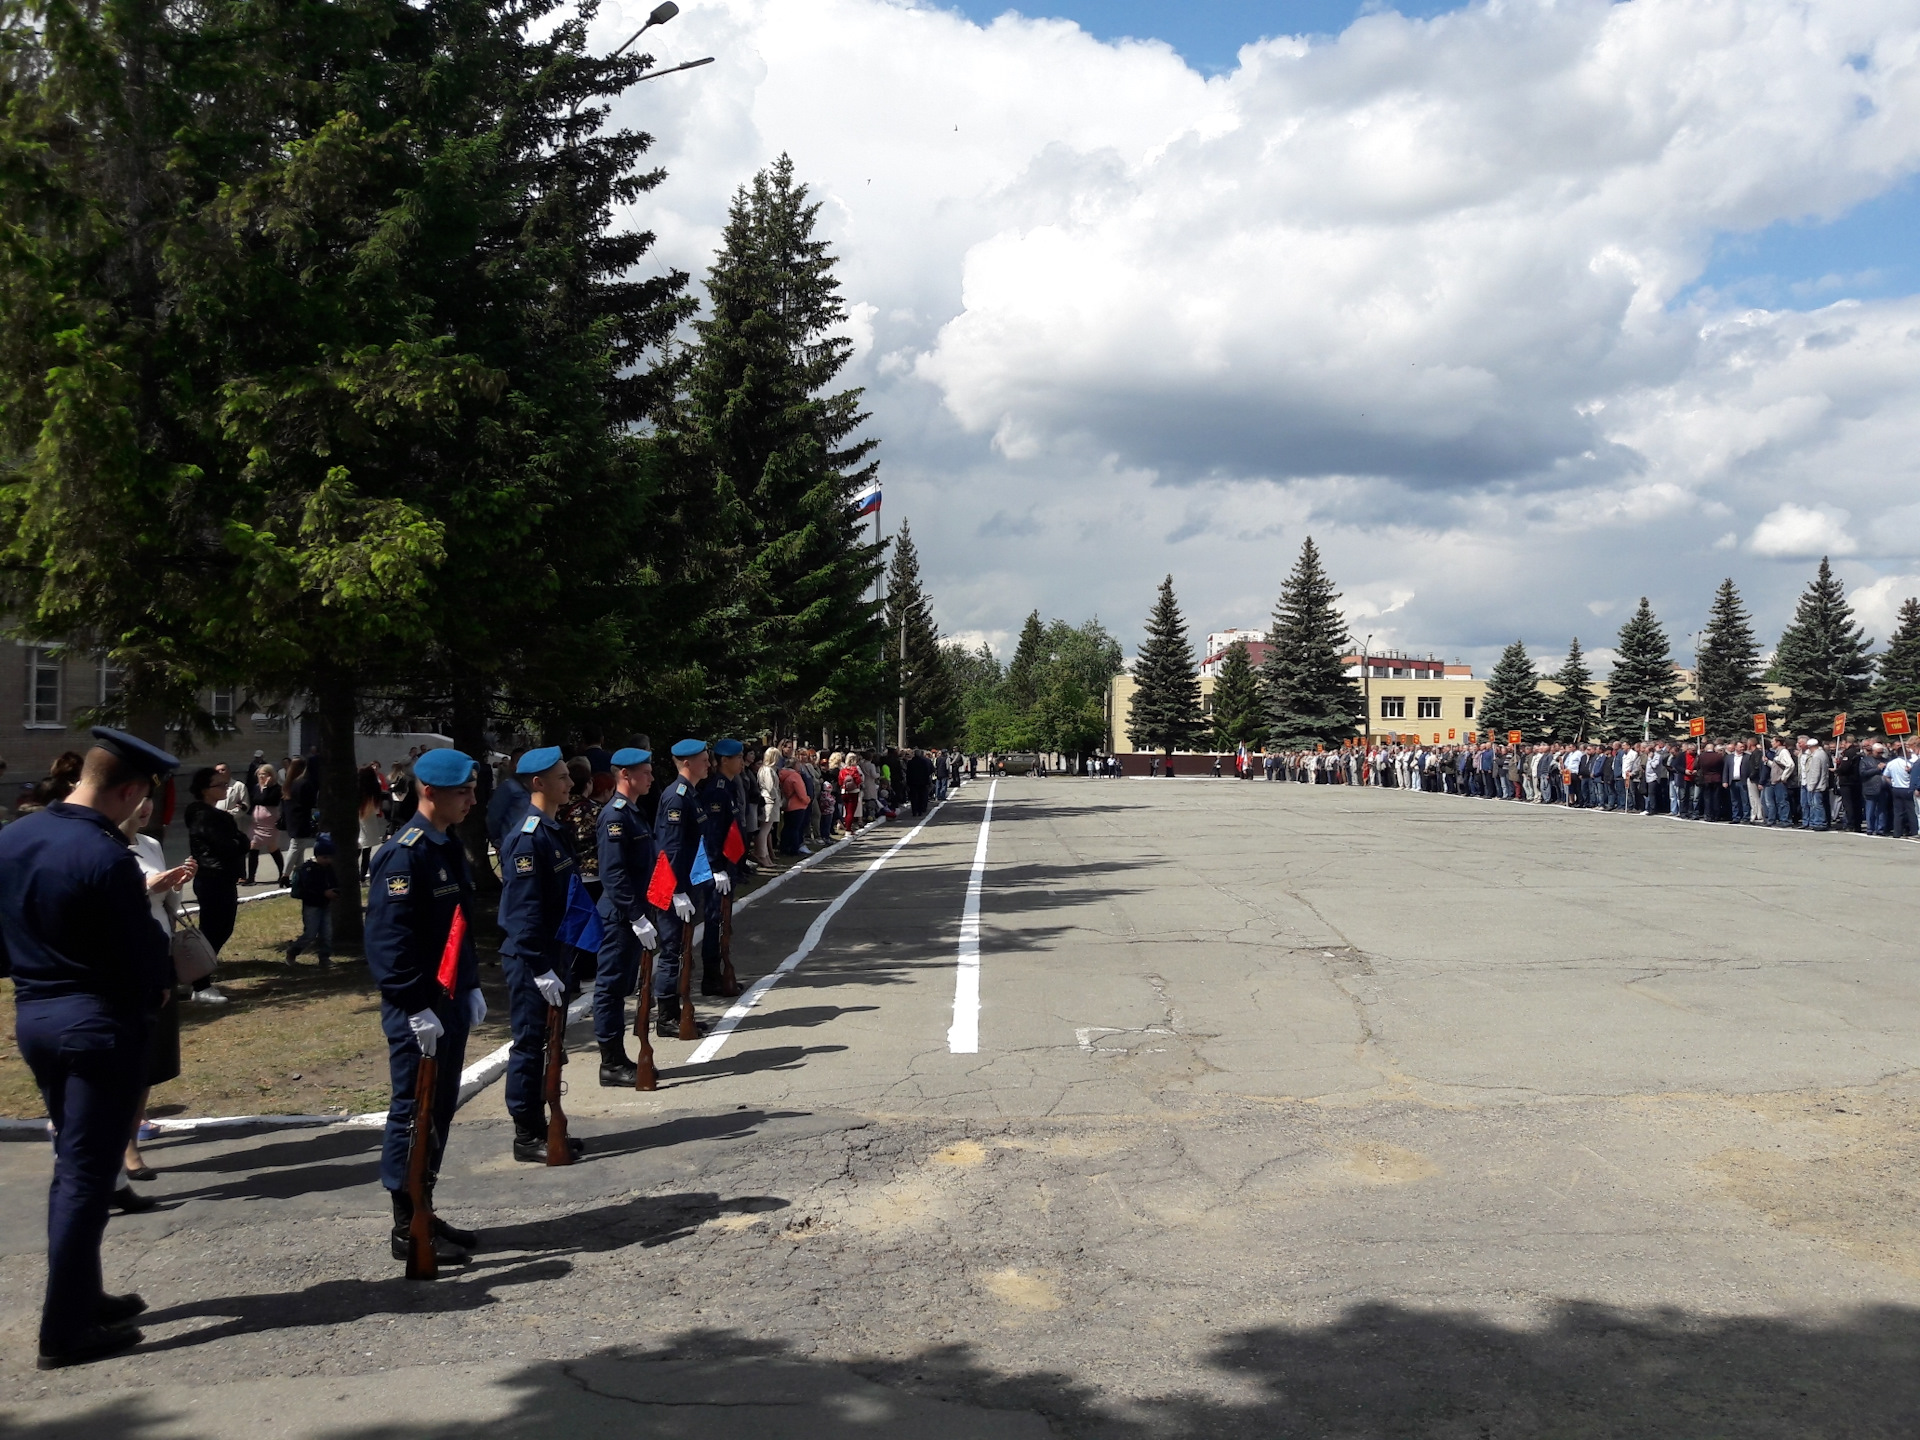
(1809, 782)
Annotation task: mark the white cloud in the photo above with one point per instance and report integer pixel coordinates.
(1802, 531)
(1421, 289)
(1877, 605)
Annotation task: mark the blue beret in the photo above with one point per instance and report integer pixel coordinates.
(687, 749)
(147, 759)
(727, 747)
(534, 761)
(323, 845)
(631, 756)
(443, 767)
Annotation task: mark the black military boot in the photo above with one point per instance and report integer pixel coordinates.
(713, 983)
(445, 1250)
(453, 1234)
(667, 1026)
(615, 1068)
(530, 1142)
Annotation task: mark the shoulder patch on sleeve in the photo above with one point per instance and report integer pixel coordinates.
(523, 864)
(399, 884)
(533, 824)
(615, 830)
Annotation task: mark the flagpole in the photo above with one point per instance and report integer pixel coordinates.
(879, 595)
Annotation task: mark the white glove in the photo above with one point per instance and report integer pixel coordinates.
(683, 907)
(550, 988)
(427, 1031)
(643, 931)
(476, 1006)
(723, 882)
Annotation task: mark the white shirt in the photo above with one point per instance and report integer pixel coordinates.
(153, 862)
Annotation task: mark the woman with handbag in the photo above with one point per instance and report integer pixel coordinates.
(219, 850)
(163, 1042)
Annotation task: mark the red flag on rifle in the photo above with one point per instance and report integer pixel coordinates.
(736, 847)
(660, 889)
(450, 956)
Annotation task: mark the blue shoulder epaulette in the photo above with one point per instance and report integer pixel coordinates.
(407, 837)
(533, 824)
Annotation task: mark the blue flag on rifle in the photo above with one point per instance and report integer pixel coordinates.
(580, 927)
(702, 870)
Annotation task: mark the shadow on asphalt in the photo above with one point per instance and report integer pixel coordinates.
(1379, 1372)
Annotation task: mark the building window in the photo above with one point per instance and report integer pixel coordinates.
(113, 679)
(1429, 707)
(222, 708)
(1393, 707)
(43, 687)
(1469, 707)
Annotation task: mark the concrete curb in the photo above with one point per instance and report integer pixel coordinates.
(475, 1077)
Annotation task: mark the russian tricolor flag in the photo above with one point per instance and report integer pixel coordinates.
(867, 501)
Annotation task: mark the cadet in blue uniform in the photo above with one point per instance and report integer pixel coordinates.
(676, 833)
(717, 816)
(625, 845)
(536, 864)
(90, 969)
(416, 883)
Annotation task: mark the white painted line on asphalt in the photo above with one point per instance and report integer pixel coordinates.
(963, 1036)
(740, 1008)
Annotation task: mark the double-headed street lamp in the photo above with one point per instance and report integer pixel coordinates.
(659, 16)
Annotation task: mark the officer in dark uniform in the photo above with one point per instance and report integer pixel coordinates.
(625, 845)
(417, 881)
(90, 969)
(536, 864)
(717, 817)
(677, 834)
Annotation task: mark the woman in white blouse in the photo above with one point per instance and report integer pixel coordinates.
(163, 1048)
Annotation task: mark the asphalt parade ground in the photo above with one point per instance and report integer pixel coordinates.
(1285, 1111)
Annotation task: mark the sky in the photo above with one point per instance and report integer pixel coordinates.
(1522, 310)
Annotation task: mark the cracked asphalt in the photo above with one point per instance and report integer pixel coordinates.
(1298, 1111)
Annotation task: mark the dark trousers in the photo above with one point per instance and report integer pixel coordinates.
(403, 1067)
(676, 938)
(1740, 800)
(793, 825)
(527, 1017)
(1900, 812)
(917, 798)
(614, 979)
(90, 1062)
(219, 897)
(710, 941)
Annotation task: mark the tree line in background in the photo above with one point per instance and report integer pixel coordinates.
(1051, 697)
(325, 372)
(1301, 694)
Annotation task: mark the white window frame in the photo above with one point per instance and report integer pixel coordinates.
(40, 658)
(112, 680)
(1470, 700)
(1393, 707)
(223, 718)
(1429, 706)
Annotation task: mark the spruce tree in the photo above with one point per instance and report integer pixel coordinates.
(1898, 686)
(1165, 713)
(1308, 694)
(1643, 692)
(1513, 700)
(761, 540)
(1727, 667)
(1824, 660)
(1029, 655)
(1572, 711)
(933, 704)
(1238, 716)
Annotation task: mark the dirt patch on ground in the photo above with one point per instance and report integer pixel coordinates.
(1843, 1165)
(291, 1041)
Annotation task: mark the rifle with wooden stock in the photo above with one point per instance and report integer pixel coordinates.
(727, 977)
(645, 1076)
(689, 934)
(559, 1152)
(422, 1264)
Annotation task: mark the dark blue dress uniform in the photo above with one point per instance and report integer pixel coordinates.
(717, 815)
(677, 834)
(627, 853)
(90, 970)
(536, 866)
(415, 883)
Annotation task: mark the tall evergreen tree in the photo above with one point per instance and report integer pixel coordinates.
(1898, 685)
(1643, 692)
(1308, 694)
(1165, 713)
(1029, 655)
(761, 542)
(933, 703)
(1238, 716)
(1573, 713)
(1513, 700)
(1727, 667)
(1824, 660)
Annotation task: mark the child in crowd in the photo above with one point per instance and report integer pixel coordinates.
(314, 887)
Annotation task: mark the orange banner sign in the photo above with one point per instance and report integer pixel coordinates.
(1697, 725)
(1839, 725)
(1513, 737)
(1759, 724)
(1894, 722)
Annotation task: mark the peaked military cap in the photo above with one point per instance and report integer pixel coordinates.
(147, 759)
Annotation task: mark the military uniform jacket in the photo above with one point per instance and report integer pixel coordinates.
(415, 883)
(74, 918)
(536, 866)
(625, 846)
(676, 831)
(717, 814)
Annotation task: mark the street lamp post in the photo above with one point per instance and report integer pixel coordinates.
(1366, 683)
(659, 16)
